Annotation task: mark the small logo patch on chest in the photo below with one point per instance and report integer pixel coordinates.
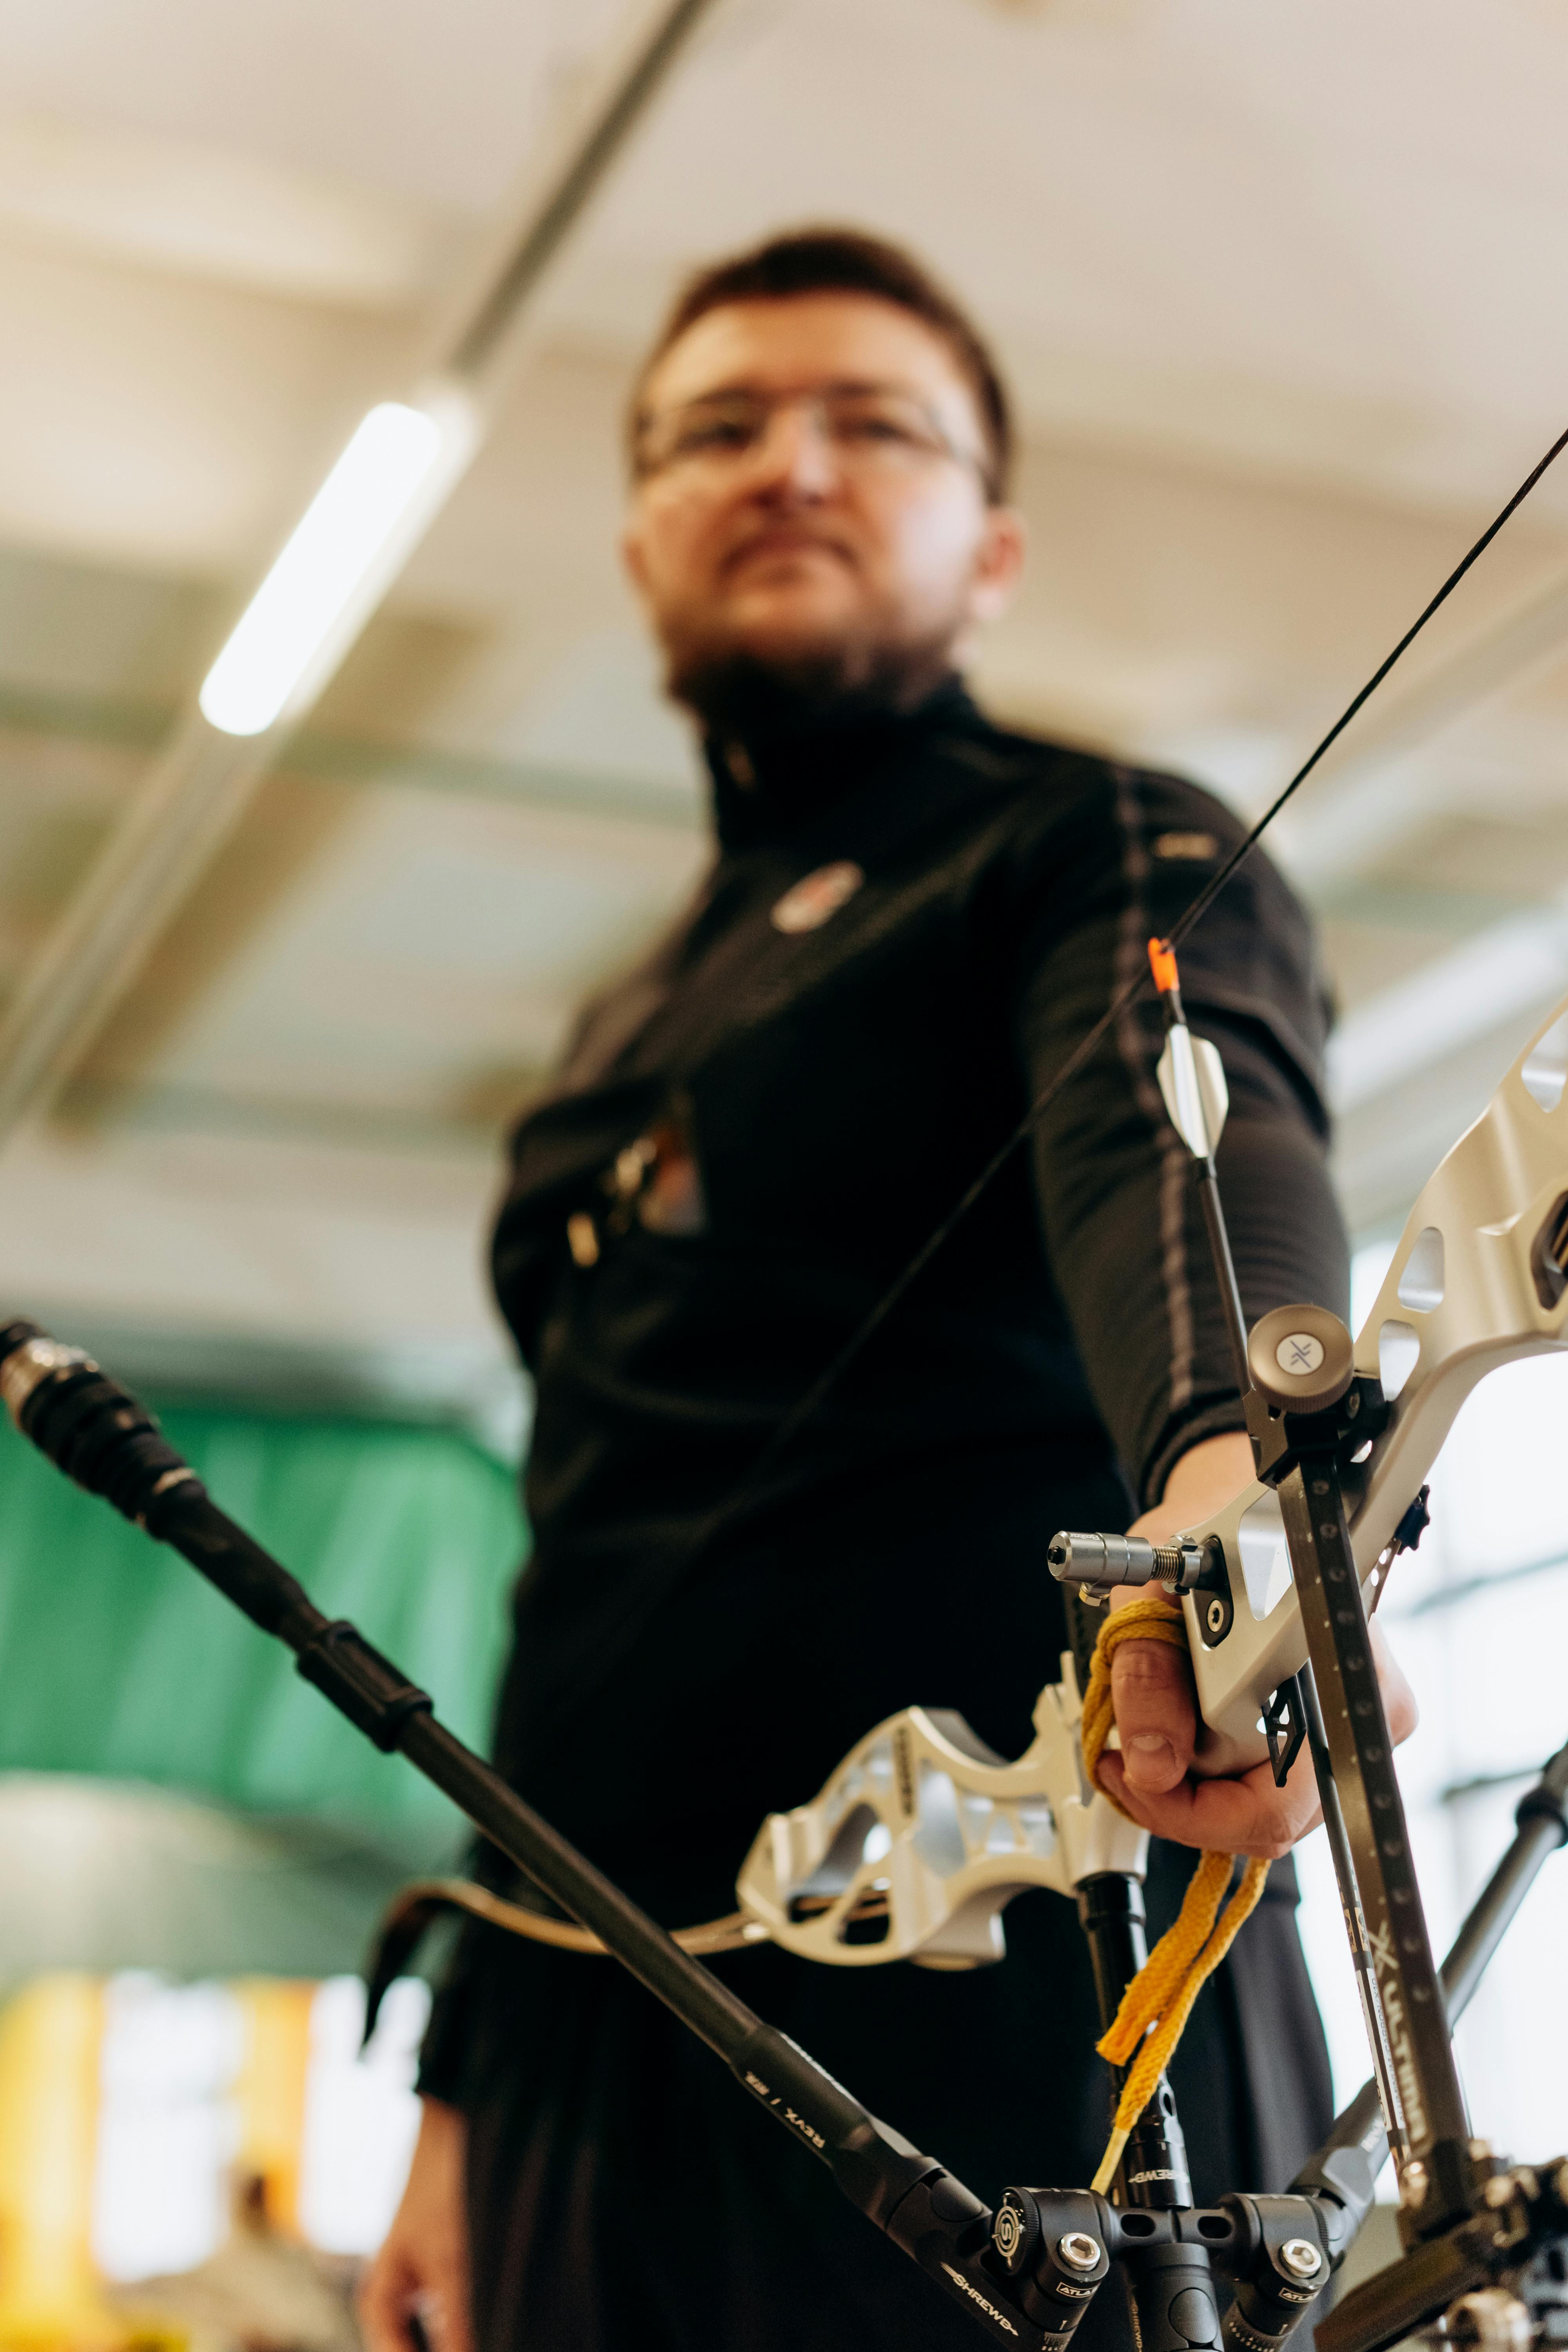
(808, 903)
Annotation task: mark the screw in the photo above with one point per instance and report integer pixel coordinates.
(1214, 1615)
(1300, 2258)
(1412, 2186)
(1079, 2250)
(1492, 2320)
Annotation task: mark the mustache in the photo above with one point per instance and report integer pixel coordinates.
(785, 535)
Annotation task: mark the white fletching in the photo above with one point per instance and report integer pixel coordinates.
(1192, 1079)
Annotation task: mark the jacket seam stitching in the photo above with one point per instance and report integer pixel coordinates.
(1130, 950)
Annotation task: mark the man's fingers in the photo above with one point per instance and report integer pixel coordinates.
(1249, 1815)
(384, 2300)
(1152, 1690)
(1398, 1698)
(444, 2315)
(1154, 1776)
(396, 2288)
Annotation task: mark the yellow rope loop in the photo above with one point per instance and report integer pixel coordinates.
(1147, 1619)
(1158, 2002)
(1160, 1981)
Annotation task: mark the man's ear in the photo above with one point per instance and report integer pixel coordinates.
(998, 562)
(633, 557)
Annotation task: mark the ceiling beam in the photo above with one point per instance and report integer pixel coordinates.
(1510, 969)
(666, 803)
(1378, 790)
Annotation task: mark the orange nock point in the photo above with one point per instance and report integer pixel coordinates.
(1162, 964)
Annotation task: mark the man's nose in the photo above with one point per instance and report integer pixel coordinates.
(796, 454)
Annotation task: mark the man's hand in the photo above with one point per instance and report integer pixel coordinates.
(422, 2270)
(1170, 1777)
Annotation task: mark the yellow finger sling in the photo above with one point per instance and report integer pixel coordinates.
(1161, 1994)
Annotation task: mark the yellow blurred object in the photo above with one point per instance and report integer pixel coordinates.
(269, 2093)
(51, 2039)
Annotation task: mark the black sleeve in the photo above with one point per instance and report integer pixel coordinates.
(443, 2054)
(1115, 1184)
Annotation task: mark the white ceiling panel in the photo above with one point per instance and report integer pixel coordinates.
(1277, 290)
(432, 101)
(429, 955)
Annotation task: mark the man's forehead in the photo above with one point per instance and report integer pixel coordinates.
(807, 339)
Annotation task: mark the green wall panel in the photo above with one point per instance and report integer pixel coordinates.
(116, 1658)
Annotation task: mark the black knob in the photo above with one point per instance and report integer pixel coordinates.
(1301, 1358)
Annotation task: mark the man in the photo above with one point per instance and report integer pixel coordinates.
(911, 920)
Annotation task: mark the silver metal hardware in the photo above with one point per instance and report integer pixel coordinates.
(1413, 2184)
(1079, 2250)
(1098, 1562)
(33, 1361)
(1302, 2258)
(922, 1836)
(1492, 2319)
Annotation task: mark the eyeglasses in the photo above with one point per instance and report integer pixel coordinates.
(871, 429)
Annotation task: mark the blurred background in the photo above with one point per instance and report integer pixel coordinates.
(1279, 294)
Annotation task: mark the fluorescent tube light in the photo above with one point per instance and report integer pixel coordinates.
(361, 520)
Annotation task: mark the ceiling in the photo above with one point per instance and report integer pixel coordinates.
(1278, 290)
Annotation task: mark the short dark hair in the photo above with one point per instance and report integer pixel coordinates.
(844, 261)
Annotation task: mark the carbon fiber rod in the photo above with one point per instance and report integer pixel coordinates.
(1542, 1826)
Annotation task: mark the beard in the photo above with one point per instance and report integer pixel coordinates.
(736, 690)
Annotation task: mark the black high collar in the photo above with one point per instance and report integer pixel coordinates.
(772, 787)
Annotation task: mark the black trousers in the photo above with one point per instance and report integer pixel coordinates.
(626, 2196)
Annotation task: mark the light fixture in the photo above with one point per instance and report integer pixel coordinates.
(354, 533)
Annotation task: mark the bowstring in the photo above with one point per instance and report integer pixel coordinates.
(808, 1406)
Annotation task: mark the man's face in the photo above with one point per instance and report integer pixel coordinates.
(810, 549)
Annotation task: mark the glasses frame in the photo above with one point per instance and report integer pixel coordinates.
(810, 398)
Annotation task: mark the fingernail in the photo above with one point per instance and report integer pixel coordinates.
(1149, 1743)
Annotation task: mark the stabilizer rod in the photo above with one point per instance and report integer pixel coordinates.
(1542, 1826)
(1026, 2274)
(108, 1443)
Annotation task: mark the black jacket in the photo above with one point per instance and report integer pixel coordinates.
(752, 1134)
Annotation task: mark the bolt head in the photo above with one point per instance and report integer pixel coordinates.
(1214, 1615)
(1492, 2320)
(1412, 2185)
(1079, 2250)
(1302, 2258)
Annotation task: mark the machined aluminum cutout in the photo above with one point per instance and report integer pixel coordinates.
(1465, 1292)
(922, 1836)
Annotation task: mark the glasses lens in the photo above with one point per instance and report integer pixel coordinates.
(704, 431)
(880, 425)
